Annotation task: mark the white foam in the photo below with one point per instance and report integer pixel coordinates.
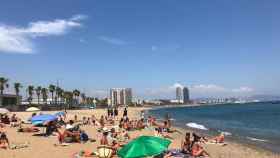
(226, 133)
(256, 139)
(195, 125)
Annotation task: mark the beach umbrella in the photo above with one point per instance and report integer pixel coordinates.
(144, 146)
(4, 111)
(40, 119)
(32, 109)
(61, 113)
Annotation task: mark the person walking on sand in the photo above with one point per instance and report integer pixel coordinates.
(125, 112)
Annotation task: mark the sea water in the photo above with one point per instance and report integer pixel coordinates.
(253, 123)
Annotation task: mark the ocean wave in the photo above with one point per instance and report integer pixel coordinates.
(195, 125)
(256, 139)
(226, 133)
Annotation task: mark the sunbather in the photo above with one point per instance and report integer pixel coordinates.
(28, 129)
(197, 138)
(186, 144)
(219, 139)
(64, 132)
(104, 139)
(115, 146)
(198, 151)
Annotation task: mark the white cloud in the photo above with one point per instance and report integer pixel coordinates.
(12, 41)
(200, 90)
(21, 39)
(79, 17)
(243, 90)
(208, 88)
(112, 40)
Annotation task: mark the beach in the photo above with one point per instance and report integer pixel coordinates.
(44, 147)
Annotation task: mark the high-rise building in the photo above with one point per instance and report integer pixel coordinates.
(182, 94)
(179, 94)
(186, 95)
(121, 96)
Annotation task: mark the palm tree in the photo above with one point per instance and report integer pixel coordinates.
(76, 93)
(3, 84)
(30, 90)
(44, 92)
(17, 87)
(68, 98)
(51, 90)
(83, 95)
(38, 93)
(60, 95)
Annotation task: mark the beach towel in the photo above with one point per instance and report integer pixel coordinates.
(214, 143)
(14, 146)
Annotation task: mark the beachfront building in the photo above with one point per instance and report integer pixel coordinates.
(182, 94)
(9, 100)
(120, 96)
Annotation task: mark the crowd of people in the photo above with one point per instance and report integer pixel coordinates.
(113, 130)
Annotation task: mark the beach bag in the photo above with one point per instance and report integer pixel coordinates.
(84, 137)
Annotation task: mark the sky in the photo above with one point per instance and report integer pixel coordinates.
(217, 48)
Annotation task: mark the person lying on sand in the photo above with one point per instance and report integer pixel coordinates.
(198, 139)
(218, 139)
(68, 131)
(5, 119)
(28, 129)
(140, 124)
(115, 146)
(4, 142)
(198, 151)
(159, 132)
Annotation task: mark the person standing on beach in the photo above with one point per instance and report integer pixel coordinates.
(116, 112)
(142, 114)
(125, 112)
(108, 111)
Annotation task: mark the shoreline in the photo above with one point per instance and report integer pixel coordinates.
(230, 140)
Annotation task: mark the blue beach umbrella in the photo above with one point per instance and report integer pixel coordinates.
(61, 113)
(40, 119)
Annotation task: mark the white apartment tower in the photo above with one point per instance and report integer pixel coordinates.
(121, 96)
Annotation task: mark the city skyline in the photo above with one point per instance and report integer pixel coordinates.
(216, 49)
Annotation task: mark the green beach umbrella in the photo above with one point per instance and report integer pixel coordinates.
(144, 146)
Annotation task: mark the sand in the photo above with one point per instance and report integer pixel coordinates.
(43, 147)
